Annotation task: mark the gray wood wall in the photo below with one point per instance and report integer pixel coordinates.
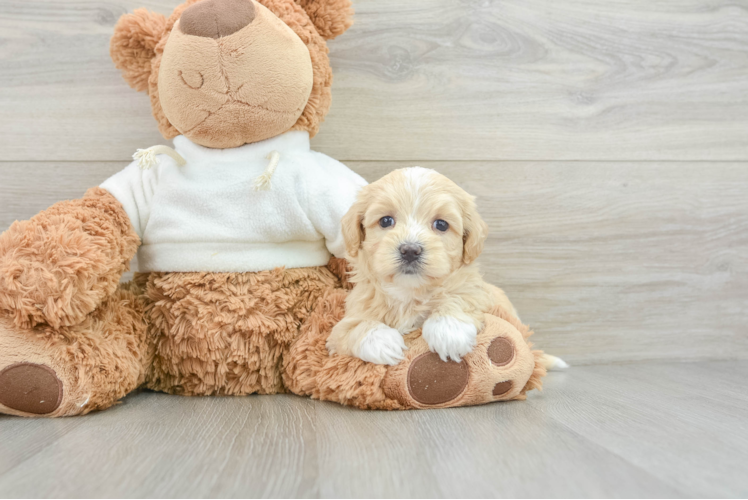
(607, 143)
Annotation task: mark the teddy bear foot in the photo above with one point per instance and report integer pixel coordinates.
(73, 370)
(501, 367)
(432, 381)
(30, 388)
(29, 383)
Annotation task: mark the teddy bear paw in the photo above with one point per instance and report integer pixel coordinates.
(30, 388)
(498, 368)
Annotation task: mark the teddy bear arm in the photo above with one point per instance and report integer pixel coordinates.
(58, 266)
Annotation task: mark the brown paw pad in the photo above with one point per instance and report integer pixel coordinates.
(30, 388)
(432, 381)
(502, 388)
(501, 351)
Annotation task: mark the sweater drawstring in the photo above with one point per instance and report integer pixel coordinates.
(146, 158)
(262, 182)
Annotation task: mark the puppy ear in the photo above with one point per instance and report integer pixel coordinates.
(353, 228)
(133, 45)
(330, 17)
(474, 233)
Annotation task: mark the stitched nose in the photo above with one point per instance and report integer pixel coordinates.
(216, 18)
(410, 252)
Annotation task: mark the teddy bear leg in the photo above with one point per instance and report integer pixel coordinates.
(501, 367)
(74, 370)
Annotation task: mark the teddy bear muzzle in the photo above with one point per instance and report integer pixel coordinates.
(223, 90)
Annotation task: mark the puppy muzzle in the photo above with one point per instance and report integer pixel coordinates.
(411, 255)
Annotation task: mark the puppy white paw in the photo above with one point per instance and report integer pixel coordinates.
(449, 337)
(382, 345)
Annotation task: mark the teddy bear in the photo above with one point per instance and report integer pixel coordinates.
(237, 232)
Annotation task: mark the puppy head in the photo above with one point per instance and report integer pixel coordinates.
(413, 227)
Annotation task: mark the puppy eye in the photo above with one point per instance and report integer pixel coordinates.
(386, 221)
(441, 225)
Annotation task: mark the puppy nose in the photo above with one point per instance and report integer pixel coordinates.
(410, 252)
(216, 18)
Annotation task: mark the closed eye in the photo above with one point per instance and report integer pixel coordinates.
(195, 78)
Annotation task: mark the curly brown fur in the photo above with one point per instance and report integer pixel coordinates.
(331, 17)
(133, 45)
(307, 355)
(342, 269)
(310, 371)
(109, 350)
(57, 267)
(226, 333)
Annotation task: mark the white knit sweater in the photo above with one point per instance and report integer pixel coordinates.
(207, 216)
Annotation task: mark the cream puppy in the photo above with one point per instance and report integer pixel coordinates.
(411, 238)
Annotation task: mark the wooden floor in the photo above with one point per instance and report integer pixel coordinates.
(630, 430)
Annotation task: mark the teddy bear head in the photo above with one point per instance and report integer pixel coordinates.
(229, 72)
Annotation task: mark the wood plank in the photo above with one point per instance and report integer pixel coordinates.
(598, 431)
(663, 419)
(27, 188)
(541, 80)
(425, 79)
(372, 454)
(23, 438)
(607, 261)
(156, 445)
(495, 451)
(61, 96)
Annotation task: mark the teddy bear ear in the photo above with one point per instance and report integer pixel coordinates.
(133, 45)
(330, 17)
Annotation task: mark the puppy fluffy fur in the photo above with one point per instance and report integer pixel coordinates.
(415, 270)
